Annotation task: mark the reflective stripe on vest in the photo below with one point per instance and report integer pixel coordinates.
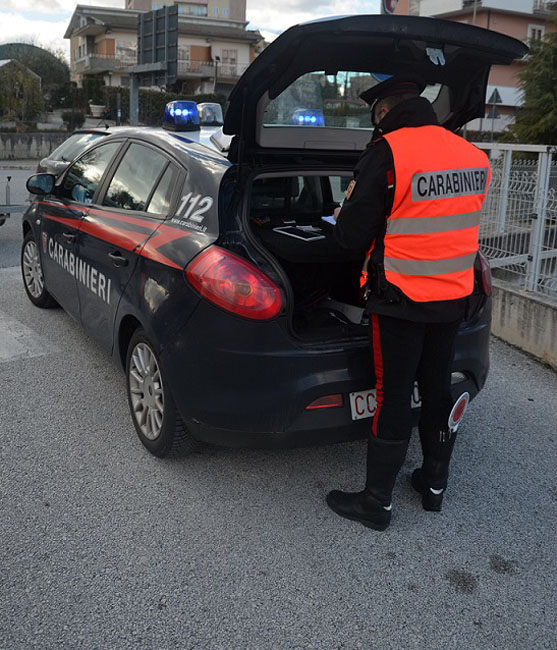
(429, 267)
(431, 238)
(427, 225)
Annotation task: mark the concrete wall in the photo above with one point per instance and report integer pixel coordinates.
(527, 321)
(29, 146)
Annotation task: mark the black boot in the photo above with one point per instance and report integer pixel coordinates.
(431, 480)
(431, 498)
(372, 506)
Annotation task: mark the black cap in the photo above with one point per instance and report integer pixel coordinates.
(397, 85)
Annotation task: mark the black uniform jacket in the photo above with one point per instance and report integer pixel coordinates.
(363, 219)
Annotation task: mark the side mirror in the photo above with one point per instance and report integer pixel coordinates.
(41, 184)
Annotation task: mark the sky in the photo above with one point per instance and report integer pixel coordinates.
(43, 22)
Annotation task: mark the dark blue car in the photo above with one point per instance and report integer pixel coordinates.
(207, 269)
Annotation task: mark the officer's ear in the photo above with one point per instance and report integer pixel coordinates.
(380, 109)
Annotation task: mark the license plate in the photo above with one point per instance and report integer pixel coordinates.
(363, 403)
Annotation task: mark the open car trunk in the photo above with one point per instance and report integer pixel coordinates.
(285, 216)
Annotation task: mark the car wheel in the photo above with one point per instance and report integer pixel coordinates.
(155, 417)
(32, 272)
(2, 220)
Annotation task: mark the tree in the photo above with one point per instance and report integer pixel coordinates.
(536, 119)
(20, 92)
(51, 66)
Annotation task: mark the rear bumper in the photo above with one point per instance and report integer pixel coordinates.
(244, 384)
(310, 429)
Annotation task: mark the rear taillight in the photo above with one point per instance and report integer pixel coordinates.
(327, 402)
(486, 274)
(234, 284)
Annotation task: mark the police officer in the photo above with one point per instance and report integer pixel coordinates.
(414, 204)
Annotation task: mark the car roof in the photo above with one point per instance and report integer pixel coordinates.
(183, 145)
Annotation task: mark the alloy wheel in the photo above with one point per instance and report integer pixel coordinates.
(146, 391)
(32, 270)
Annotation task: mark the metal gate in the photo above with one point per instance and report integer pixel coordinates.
(518, 229)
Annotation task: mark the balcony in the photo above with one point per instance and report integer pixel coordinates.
(102, 63)
(206, 70)
(544, 7)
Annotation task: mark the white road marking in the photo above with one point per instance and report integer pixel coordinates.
(17, 341)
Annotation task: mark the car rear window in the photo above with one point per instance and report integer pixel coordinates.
(160, 201)
(135, 177)
(74, 145)
(318, 99)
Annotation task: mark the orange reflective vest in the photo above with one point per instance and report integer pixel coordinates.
(431, 239)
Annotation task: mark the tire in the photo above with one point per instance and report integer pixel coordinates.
(32, 273)
(2, 220)
(155, 417)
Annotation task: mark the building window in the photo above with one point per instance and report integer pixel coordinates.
(216, 11)
(225, 12)
(192, 10)
(184, 53)
(229, 56)
(229, 60)
(536, 32)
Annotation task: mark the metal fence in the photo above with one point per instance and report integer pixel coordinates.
(518, 230)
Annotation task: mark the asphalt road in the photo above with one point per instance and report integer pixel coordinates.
(103, 546)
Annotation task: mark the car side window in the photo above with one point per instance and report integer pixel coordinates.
(134, 178)
(162, 196)
(84, 176)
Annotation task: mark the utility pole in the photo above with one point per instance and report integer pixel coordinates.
(217, 61)
(475, 10)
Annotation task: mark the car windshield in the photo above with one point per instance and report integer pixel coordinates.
(74, 145)
(319, 99)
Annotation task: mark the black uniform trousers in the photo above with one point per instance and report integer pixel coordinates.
(405, 351)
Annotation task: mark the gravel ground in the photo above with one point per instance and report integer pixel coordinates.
(103, 546)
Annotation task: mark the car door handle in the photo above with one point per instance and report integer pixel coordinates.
(118, 259)
(69, 237)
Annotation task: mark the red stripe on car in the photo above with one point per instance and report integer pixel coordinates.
(144, 244)
(73, 223)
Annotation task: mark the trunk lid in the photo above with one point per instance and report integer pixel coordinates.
(301, 92)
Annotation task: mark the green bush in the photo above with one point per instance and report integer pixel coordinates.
(73, 120)
(93, 87)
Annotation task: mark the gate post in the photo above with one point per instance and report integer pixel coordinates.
(538, 225)
(504, 191)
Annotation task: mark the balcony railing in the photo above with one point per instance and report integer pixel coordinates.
(544, 6)
(207, 69)
(97, 63)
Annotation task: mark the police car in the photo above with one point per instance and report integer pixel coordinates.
(207, 269)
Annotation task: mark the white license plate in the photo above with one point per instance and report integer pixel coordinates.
(363, 403)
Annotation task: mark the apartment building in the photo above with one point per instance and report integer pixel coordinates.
(216, 9)
(525, 20)
(214, 46)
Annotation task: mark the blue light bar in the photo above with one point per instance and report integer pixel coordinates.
(181, 116)
(308, 117)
